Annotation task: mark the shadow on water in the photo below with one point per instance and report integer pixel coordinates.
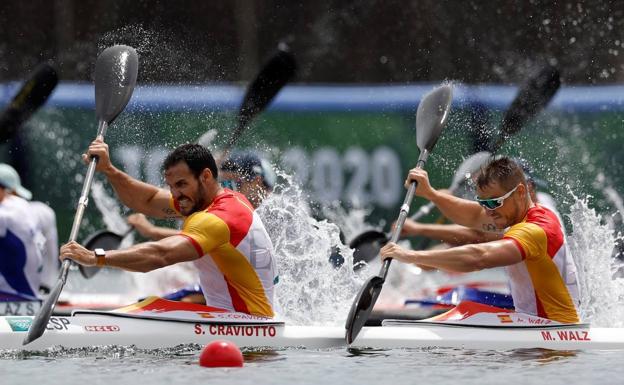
(544, 356)
(502, 357)
(367, 352)
(260, 355)
(541, 356)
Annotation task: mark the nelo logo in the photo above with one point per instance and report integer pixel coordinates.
(102, 328)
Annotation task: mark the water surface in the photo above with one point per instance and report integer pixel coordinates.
(304, 366)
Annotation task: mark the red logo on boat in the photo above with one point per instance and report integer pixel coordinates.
(504, 318)
(102, 328)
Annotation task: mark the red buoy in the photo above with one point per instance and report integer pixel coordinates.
(221, 353)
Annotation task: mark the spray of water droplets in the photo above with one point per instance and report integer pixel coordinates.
(311, 290)
(591, 244)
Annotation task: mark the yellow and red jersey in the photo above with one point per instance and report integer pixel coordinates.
(236, 266)
(539, 284)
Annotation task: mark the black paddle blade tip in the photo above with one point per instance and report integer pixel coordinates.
(40, 321)
(362, 307)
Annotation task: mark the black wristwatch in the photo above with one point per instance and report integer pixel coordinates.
(100, 256)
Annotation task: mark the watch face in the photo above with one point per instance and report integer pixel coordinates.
(100, 252)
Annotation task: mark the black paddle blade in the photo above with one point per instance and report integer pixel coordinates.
(116, 72)
(532, 98)
(278, 71)
(362, 307)
(106, 240)
(273, 76)
(366, 246)
(40, 322)
(431, 116)
(29, 98)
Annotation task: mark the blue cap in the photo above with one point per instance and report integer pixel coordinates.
(250, 165)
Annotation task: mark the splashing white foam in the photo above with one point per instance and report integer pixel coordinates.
(591, 244)
(109, 207)
(311, 290)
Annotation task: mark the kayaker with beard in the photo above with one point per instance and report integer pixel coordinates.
(221, 234)
(245, 172)
(532, 249)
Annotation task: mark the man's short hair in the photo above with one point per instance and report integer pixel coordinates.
(196, 156)
(504, 171)
(530, 174)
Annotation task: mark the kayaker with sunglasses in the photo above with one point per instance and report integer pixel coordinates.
(456, 235)
(533, 248)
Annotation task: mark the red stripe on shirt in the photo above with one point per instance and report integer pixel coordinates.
(549, 222)
(237, 301)
(540, 307)
(237, 216)
(196, 245)
(518, 245)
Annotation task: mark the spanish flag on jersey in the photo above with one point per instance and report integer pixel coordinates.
(236, 265)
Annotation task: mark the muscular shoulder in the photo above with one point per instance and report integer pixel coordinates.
(524, 230)
(207, 229)
(530, 237)
(205, 222)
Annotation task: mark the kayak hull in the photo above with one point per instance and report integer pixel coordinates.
(157, 323)
(86, 330)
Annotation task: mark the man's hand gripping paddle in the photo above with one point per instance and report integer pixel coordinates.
(115, 77)
(431, 117)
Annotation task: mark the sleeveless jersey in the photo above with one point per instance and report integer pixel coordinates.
(237, 267)
(538, 283)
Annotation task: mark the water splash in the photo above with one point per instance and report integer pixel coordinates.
(109, 207)
(591, 244)
(351, 222)
(311, 290)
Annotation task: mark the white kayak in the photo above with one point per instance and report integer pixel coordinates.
(157, 323)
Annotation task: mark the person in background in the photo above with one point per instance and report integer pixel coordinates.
(222, 234)
(44, 222)
(533, 248)
(249, 174)
(20, 254)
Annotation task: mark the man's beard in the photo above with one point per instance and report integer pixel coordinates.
(200, 202)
